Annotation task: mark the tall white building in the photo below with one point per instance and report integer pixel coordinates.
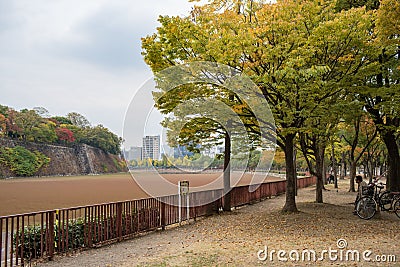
(151, 147)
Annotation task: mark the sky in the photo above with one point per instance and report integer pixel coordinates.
(78, 55)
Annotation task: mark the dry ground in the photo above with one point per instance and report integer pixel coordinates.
(234, 238)
(36, 194)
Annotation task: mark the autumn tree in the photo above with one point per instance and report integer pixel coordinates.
(383, 97)
(200, 118)
(348, 4)
(379, 89)
(101, 137)
(313, 146)
(36, 125)
(3, 125)
(26, 120)
(373, 158)
(13, 130)
(299, 53)
(358, 135)
(44, 132)
(65, 135)
(61, 120)
(4, 110)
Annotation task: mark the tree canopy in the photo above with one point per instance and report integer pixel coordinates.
(36, 125)
(304, 56)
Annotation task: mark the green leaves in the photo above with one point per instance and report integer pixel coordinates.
(28, 125)
(21, 161)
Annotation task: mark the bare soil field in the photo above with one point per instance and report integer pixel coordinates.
(36, 194)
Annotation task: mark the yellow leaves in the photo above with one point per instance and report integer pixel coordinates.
(2, 124)
(388, 20)
(51, 124)
(346, 58)
(239, 108)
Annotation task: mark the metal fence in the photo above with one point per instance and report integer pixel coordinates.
(40, 235)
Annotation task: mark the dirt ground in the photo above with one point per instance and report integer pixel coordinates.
(37, 194)
(241, 237)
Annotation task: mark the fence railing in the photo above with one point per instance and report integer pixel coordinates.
(40, 235)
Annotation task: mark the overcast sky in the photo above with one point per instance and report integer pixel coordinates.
(77, 55)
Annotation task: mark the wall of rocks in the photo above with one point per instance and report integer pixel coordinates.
(77, 160)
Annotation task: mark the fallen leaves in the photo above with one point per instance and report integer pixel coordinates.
(233, 239)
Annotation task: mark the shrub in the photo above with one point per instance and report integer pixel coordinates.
(34, 235)
(120, 165)
(21, 161)
(101, 228)
(31, 244)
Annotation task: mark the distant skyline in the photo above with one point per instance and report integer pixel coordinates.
(78, 56)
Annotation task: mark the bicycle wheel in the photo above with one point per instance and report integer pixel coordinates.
(396, 207)
(385, 201)
(366, 207)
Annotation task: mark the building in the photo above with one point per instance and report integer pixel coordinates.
(151, 147)
(182, 151)
(134, 153)
(213, 151)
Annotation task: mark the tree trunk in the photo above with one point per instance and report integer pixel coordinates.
(227, 173)
(290, 204)
(352, 175)
(320, 171)
(324, 178)
(295, 170)
(334, 166)
(343, 167)
(393, 164)
(370, 167)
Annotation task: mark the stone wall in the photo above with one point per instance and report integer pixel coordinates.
(76, 160)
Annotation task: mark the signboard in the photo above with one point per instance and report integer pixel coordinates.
(183, 190)
(184, 187)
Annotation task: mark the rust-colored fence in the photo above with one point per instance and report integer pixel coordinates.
(40, 235)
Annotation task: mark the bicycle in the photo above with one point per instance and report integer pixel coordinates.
(373, 199)
(387, 200)
(396, 206)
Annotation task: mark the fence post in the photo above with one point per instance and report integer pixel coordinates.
(162, 216)
(51, 234)
(119, 221)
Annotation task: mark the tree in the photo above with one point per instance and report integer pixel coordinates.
(134, 163)
(43, 133)
(379, 89)
(65, 135)
(358, 134)
(205, 122)
(348, 4)
(26, 120)
(383, 100)
(13, 130)
(42, 112)
(298, 53)
(61, 120)
(101, 137)
(4, 110)
(372, 158)
(78, 119)
(313, 146)
(3, 124)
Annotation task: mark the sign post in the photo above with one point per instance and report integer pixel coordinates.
(183, 190)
